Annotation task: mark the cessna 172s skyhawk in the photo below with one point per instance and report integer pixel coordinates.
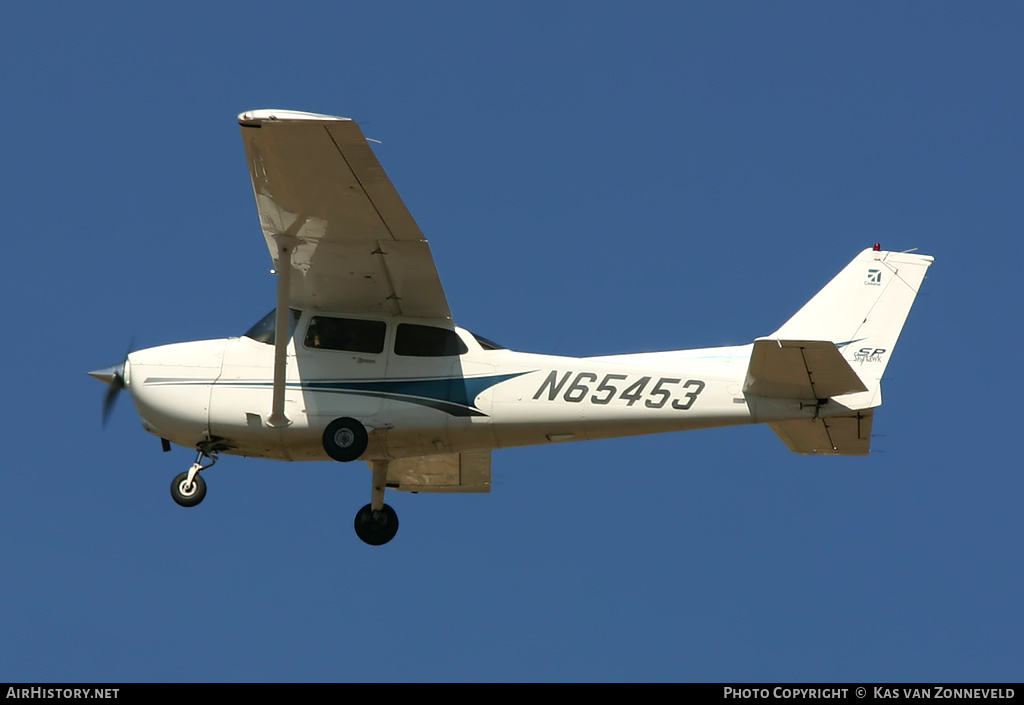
(361, 360)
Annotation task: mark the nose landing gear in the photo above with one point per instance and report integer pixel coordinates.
(188, 488)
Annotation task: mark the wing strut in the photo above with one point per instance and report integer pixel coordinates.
(277, 419)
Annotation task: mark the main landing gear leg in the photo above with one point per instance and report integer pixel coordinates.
(188, 488)
(377, 523)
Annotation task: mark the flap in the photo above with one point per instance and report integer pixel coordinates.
(454, 472)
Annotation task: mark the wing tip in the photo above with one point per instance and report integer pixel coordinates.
(255, 117)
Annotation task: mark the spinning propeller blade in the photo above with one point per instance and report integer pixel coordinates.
(114, 376)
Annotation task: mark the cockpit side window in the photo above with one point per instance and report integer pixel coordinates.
(414, 340)
(348, 334)
(264, 331)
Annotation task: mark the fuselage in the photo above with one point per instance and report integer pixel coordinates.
(427, 387)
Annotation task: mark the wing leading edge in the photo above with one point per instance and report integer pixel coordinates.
(327, 208)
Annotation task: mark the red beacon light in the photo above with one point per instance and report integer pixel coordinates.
(877, 247)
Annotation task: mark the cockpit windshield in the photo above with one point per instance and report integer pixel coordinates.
(264, 331)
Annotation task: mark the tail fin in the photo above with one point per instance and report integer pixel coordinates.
(862, 311)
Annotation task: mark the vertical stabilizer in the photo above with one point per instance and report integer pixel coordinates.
(862, 310)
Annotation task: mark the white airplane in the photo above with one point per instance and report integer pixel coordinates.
(371, 366)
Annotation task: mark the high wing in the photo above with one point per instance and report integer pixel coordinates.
(336, 228)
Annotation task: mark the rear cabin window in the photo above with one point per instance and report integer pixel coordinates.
(348, 334)
(487, 344)
(415, 340)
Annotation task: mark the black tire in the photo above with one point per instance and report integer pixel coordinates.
(376, 528)
(188, 497)
(345, 439)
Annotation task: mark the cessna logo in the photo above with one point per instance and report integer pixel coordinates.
(869, 355)
(874, 277)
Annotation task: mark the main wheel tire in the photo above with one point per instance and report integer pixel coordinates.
(345, 439)
(376, 528)
(188, 496)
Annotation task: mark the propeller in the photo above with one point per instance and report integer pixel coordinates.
(115, 377)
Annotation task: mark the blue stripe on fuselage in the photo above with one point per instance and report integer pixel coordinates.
(453, 395)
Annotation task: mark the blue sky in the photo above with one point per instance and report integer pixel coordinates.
(593, 178)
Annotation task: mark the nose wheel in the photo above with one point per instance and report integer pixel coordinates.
(188, 488)
(188, 493)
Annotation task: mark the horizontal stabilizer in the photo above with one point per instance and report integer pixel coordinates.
(453, 472)
(835, 435)
(799, 369)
